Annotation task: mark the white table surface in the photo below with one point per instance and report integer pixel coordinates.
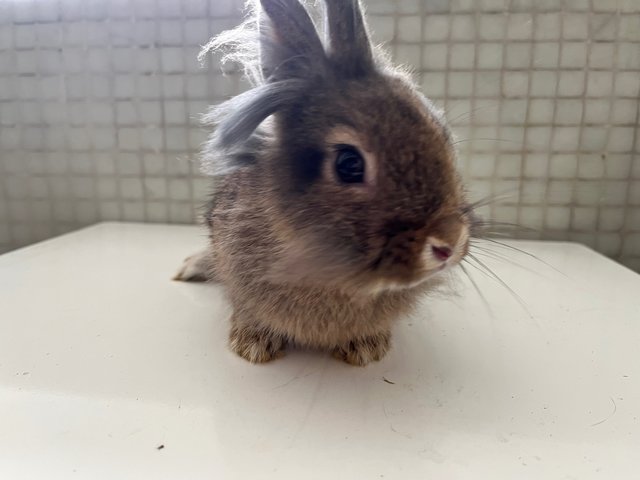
(103, 359)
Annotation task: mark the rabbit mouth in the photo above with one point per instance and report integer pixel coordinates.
(412, 267)
(412, 258)
(423, 279)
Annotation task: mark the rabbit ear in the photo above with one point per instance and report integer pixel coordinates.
(237, 118)
(349, 44)
(289, 42)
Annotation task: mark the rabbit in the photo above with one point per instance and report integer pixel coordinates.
(336, 202)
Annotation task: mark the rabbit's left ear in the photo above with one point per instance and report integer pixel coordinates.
(289, 42)
(349, 44)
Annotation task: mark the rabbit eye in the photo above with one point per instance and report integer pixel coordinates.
(349, 165)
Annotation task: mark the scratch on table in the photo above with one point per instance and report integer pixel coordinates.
(615, 409)
(312, 402)
(293, 379)
(384, 410)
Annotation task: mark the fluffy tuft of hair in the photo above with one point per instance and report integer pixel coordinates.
(275, 64)
(240, 45)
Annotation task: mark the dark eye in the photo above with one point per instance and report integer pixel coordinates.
(349, 165)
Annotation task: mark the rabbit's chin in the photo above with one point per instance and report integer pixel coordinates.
(394, 285)
(354, 282)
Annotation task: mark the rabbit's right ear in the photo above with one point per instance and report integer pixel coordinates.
(349, 45)
(289, 42)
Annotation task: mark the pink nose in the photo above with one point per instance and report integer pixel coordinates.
(441, 253)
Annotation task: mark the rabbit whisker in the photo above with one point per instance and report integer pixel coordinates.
(487, 139)
(496, 277)
(480, 251)
(469, 112)
(475, 285)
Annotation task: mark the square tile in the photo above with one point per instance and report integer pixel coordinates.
(568, 112)
(513, 111)
(460, 84)
(482, 166)
(382, 30)
(603, 26)
(546, 55)
(196, 31)
(560, 192)
(627, 84)
(618, 166)
(543, 83)
(133, 211)
(536, 166)
(489, 56)
(624, 111)
(462, 56)
(179, 189)
(128, 164)
(131, 188)
(509, 165)
(434, 56)
(611, 219)
(597, 110)
(547, 26)
(409, 29)
(156, 188)
(463, 27)
(613, 193)
(628, 57)
(621, 139)
(601, 55)
(487, 84)
(492, 26)
(156, 212)
(520, 26)
(518, 56)
(436, 27)
(558, 218)
(408, 54)
(573, 55)
(107, 188)
(594, 139)
(584, 219)
(531, 217)
(575, 26)
(590, 166)
(599, 84)
(515, 84)
(571, 83)
(565, 139)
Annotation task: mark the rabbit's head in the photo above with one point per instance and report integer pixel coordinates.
(356, 166)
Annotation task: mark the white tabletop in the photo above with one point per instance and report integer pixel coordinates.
(103, 360)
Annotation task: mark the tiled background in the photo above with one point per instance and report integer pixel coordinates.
(99, 105)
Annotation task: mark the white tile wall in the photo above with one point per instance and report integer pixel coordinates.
(99, 106)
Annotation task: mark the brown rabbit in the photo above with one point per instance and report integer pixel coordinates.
(336, 201)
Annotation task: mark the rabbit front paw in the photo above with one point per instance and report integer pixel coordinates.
(364, 350)
(196, 268)
(256, 345)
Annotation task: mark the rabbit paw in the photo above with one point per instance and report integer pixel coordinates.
(196, 268)
(364, 350)
(256, 345)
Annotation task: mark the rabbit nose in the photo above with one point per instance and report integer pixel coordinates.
(441, 252)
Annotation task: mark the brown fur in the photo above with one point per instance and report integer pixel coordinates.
(309, 261)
